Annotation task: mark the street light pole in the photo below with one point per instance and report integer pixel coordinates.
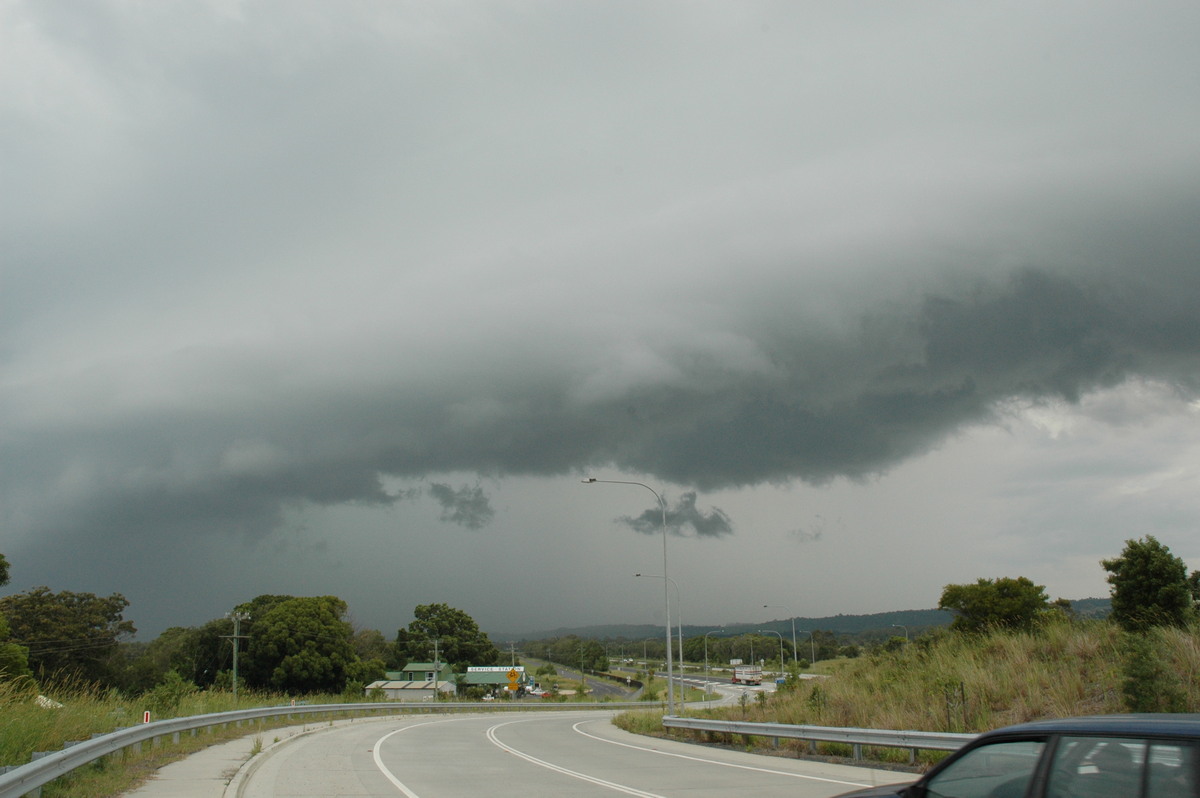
(793, 617)
(678, 615)
(905, 628)
(772, 631)
(666, 590)
(813, 644)
(707, 684)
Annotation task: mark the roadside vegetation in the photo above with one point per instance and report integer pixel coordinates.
(44, 717)
(1010, 656)
(971, 682)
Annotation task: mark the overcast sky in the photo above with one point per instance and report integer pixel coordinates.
(347, 298)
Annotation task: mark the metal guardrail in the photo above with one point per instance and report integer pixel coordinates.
(30, 778)
(880, 738)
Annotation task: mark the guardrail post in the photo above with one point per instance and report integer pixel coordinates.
(858, 752)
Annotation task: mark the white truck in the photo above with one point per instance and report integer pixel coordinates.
(747, 674)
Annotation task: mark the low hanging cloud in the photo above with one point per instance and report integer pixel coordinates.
(467, 506)
(683, 515)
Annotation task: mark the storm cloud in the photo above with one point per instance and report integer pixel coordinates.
(270, 260)
(467, 506)
(683, 515)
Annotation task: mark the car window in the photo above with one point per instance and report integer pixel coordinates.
(1172, 771)
(1096, 767)
(1099, 767)
(998, 770)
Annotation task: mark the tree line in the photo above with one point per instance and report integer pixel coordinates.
(295, 645)
(571, 650)
(1150, 587)
(299, 645)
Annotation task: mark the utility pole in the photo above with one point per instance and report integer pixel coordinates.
(237, 617)
(437, 670)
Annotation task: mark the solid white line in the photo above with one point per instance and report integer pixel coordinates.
(399, 785)
(558, 769)
(713, 761)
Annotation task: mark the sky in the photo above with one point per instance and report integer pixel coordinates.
(318, 298)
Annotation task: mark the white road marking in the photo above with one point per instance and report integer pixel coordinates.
(399, 785)
(713, 761)
(558, 769)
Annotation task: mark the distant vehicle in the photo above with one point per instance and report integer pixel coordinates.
(747, 674)
(1123, 756)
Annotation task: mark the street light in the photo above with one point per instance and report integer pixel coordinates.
(706, 682)
(678, 613)
(905, 628)
(772, 631)
(813, 644)
(789, 612)
(666, 591)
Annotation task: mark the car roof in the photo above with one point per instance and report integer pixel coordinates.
(1143, 725)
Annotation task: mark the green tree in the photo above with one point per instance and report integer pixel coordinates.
(196, 654)
(14, 659)
(370, 644)
(300, 645)
(170, 691)
(259, 606)
(68, 634)
(459, 640)
(995, 603)
(1149, 684)
(1150, 586)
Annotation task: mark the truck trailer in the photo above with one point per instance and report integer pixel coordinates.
(747, 674)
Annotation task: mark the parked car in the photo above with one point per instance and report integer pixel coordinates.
(1104, 756)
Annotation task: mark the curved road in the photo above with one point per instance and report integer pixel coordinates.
(519, 754)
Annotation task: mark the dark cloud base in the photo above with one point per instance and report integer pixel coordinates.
(903, 384)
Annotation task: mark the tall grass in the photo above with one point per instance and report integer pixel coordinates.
(971, 683)
(80, 710)
(950, 682)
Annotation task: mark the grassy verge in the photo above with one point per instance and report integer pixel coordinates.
(971, 683)
(80, 711)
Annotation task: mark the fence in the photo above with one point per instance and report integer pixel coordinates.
(857, 738)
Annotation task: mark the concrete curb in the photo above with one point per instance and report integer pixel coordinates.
(236, 784)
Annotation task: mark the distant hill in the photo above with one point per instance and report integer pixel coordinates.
(878, 625)
(1092, 607)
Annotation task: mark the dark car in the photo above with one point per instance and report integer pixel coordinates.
(1105, 756)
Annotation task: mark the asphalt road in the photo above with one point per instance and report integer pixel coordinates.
(523, 754)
